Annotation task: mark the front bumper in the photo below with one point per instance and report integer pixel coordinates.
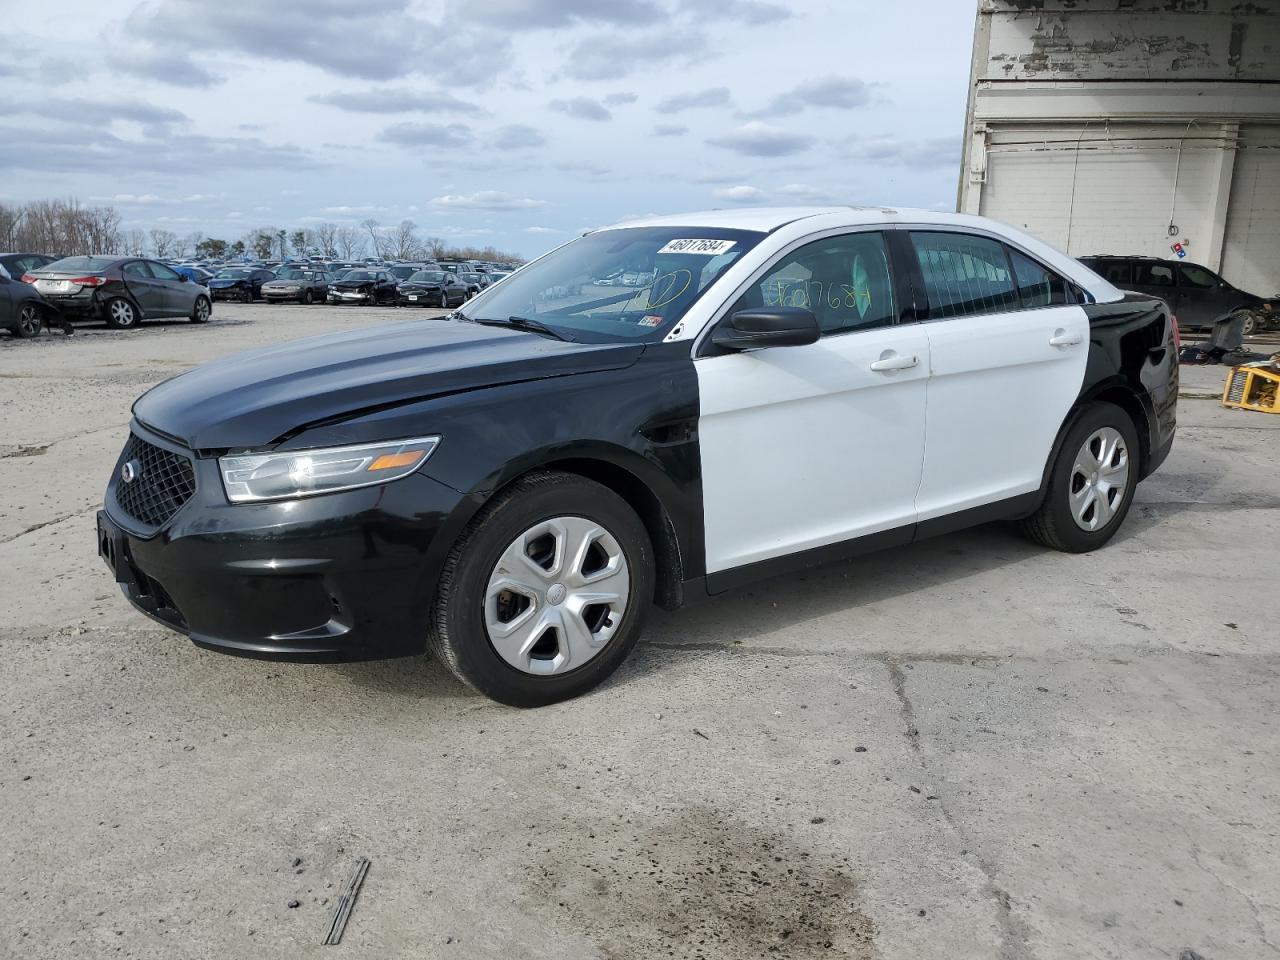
(229, 293)
(419, 298)
(338, 577)
(350, 296)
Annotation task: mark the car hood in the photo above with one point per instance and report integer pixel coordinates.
(227, 283)
(254, 399)
(283, 283)
(352, 284)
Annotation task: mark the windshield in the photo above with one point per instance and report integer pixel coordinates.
(400, 273)
(358, 275)
(295, 274)
(624, 284)
(427, 276)
(232, 275)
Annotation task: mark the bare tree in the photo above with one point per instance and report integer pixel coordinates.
(376, 237)
(327, 239)
(133, 243)
(350, 242)
(11, 218)
(164, 243)
(402, 242)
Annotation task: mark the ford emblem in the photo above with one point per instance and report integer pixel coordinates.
(130, 471)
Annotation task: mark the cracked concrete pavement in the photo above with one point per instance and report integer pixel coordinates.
(970, 747)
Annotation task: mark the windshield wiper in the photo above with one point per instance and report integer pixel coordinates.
(524, 323)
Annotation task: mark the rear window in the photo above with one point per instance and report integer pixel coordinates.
(1153, 274)
(80, 264)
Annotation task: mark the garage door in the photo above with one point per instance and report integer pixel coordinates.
(1102, 190)
(1251, 247)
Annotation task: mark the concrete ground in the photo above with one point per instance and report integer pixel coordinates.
(967, 748)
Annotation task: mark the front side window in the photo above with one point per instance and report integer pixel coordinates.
(1192, 275)
(964, 275)
(845, 281)
(161, 272)
(137, 270)
(1153, 274)
(1115, 271)
(1038, 286)
(633, 283)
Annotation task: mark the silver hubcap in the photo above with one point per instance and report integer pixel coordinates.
(29, 320)
(202, 310)
(557, 596)
(1099, 479)
(121, 312)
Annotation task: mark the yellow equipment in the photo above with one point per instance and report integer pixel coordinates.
(1253, 388)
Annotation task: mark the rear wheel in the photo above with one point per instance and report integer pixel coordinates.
(121, 314)
(201, 311)
(1091, 484)
(545, 593)
(29, 321)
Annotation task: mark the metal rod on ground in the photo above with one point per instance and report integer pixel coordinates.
(346, 900)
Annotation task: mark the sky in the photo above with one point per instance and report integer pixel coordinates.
(512, 123)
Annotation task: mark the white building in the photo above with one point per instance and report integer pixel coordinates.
(1124, 126)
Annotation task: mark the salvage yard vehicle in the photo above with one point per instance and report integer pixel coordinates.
(299, 284)
(240, 283)
(17, 264)
(513, 484)
(1198, 296)
(370, 287)
(123, 291)
(23, 311)
(431, 288)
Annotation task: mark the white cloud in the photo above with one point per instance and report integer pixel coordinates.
(757, 139)
(742, 193)
(493, 200)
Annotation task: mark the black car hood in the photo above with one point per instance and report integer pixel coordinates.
(253, 399)
(352, 284)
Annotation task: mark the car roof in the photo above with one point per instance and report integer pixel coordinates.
(770, 219)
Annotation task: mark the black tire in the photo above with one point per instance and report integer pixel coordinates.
(202, 310)
(307, 298)
(457, 634)
(1053, 525)
(29, 321)
(121, 314)
(444, 300)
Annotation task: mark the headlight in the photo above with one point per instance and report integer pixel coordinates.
(304, 473)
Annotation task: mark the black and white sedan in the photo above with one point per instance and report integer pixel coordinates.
(513, 484)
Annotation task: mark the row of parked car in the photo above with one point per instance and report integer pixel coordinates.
(38, 290)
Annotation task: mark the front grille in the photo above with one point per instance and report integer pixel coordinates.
(163, 482)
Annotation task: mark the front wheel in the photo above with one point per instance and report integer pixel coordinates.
(307, 297)
(29, 321)
(444, 300)
(545, 593)
(201, 311)
(121, 314)
(1250, 326)
(1091, 483)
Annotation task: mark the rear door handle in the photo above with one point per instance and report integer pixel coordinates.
(1061, 338)
(892, 361)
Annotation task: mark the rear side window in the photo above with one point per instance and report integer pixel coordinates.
(1038, 286)
(964, 275)
(1152, 274)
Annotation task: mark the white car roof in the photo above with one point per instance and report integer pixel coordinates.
(769, 219)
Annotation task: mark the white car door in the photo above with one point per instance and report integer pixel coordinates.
(806, 446)
(1007, 359)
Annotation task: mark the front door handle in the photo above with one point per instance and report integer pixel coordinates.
(893, 361)
(1061, 338)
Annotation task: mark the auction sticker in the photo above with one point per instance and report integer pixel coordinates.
(707, 248)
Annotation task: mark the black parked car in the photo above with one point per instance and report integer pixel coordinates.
(240, 283)
(432, 288)
(22, 309)
(476, 282)
(369, 287)
(513, 487)
(403, 271)
(1198, 296)
(124, 291)
(20, 264)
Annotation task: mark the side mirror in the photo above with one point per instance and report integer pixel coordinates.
(767, 327)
